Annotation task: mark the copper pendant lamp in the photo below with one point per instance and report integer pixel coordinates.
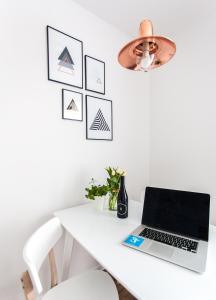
(147, 51)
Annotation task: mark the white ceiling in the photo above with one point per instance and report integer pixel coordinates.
(169, 17)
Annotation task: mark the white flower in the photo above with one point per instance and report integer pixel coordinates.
(124, 173)
(113, 172)
(119, 171)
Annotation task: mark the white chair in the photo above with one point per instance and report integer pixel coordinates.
(92, 285)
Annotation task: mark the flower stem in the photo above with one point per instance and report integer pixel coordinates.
(113, 201)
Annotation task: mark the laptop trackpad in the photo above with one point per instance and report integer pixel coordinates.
(161, 250)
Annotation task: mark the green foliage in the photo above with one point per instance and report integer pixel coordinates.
(114, 180)
(96, 191)
(112, 186)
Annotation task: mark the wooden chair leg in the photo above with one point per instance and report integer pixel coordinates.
(27, 286)
(53, 269)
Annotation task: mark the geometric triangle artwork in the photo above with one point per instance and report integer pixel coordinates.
(72, 106)
(99, 122)
(65, 56)
(65, 61)
(99, 81)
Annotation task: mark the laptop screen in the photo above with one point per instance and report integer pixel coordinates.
(184, 213)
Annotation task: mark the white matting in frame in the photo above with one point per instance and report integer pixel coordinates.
(99, 119)
(94, 75)
(65, 58)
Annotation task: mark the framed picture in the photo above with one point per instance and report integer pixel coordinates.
(99, 119)
(72, 105)
(94, 75)
(65, 58)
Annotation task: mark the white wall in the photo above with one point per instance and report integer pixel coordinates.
(183, 110)
(46, 162)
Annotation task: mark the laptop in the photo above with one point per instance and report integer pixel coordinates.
(175, 227)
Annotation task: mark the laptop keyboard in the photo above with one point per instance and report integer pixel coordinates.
(172, 240)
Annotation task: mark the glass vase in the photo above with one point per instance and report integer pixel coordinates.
(112, 202)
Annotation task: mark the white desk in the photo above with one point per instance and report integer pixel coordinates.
(145, 276)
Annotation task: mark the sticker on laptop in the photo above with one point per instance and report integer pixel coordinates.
(134, 240)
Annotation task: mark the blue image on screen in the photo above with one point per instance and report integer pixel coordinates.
(134, 240)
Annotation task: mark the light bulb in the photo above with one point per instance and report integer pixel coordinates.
(145, 62)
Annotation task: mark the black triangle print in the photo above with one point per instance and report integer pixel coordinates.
(99, 122)
(72, 106)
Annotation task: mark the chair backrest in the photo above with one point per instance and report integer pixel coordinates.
(38, 246)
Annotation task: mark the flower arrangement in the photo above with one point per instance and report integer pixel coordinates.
(111, 187)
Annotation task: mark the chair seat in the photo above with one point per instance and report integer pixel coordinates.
(93, 285)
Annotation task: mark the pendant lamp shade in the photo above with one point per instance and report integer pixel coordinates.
(148, 51)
